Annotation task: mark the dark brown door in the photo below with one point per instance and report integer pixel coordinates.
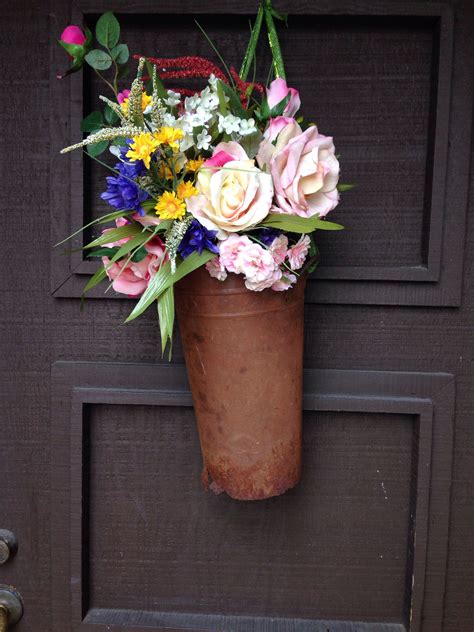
(99, 458)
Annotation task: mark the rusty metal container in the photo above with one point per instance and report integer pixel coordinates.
(244, 357)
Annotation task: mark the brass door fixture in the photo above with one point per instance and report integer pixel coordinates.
(8, 546)
(11, 607)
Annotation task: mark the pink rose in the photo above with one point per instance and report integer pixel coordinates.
(216, 269)
(305, 173)
(156, 247)
(278, 138)
(279, 248)
(259, 267)
(73, 35)
(277, 91)
(121, 96)
(225, 152)
(229, 251)
(146, 220)
(297, 254)
(276, 125)
(130, 279)
(232, 197)
(120, 221)
(285, 283)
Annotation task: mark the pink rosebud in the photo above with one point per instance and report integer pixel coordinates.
(277, 91)
(121, 96)
(73, 35)
(224, 153)
(276, 125)
(216, 269)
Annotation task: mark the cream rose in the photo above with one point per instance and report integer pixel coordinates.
(232, 196)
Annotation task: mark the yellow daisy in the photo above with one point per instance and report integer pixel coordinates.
(170, 206)
(146, 101)
(142, 147)
(194, 165)
(186, 190)
(169, 136)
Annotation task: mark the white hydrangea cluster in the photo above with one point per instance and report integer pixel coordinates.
(202, 111)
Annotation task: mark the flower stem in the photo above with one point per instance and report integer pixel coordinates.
(273, 40)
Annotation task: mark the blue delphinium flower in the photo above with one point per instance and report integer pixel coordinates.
(196, 239)
(135, 168)
(122, 192)
(267, 235)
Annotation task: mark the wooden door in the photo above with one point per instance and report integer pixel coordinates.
(99, 461)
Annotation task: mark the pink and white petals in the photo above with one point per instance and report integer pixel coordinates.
(305, 174)
(130, 279)
(216, 269)
(297, 254)
(233, 197)
(285, 283)
(277, 91)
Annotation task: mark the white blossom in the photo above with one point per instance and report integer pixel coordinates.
(247, 127)
(191, 103)
(173, 99)
(229, 123)
(203, 140)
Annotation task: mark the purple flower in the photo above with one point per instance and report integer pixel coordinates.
(122, 192)
(134, 168)
(196, 239)
(267, 235)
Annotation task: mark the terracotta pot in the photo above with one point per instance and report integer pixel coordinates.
(244, 356)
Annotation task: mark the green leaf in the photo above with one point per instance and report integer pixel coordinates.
(131, 244)
(296, 224)
(120, 53)
(139, 255)
(123, 71)
(345, 187)
(166, 318)
(251, 143)
(122, 232)
(107, 30)
(75, 50)
(92, 122)
(224, 110)
(104, 219)
(234, 101)
(95, 279)
(109, 115)
(104, 252)
(97, 148)
(279, 108)
(163, 279)
(98, 59)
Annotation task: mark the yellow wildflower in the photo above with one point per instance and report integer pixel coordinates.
(142, 147)
(169, 136)
(146, 101)
(194, 165)
(170, 206)
(186, 190)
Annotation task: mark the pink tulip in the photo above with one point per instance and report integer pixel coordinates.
(73, 35)
(277, 91)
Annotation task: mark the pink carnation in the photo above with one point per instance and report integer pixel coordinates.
(216, 269)
(285, 283)
(259, 267)
(279, 248)
(121, 96)
(229, 251)
(297, 253)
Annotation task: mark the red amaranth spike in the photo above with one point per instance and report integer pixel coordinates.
(201, 66)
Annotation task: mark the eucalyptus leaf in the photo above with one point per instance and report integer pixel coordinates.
(97, 148)
(98, 59)
(120, 53)
(107, 30)
(92, 122)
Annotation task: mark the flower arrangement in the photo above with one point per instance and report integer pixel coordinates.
(224, 177)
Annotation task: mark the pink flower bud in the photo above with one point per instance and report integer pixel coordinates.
(73, 35)
(277, 91)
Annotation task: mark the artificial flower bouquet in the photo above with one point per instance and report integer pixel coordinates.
(224, 178)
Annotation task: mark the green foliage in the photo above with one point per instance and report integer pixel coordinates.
(129, 230)
(107, 30)
(98, 59)
(120, 53)
(251, 143)
(110, 117)
(92, 122)
(345, 187)
(95, 279)
(163, 279)
(97, 148)
(165, 305)
(295, 224)
(234, 101)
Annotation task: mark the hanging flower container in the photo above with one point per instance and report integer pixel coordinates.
(244, 356)
(217, 194)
